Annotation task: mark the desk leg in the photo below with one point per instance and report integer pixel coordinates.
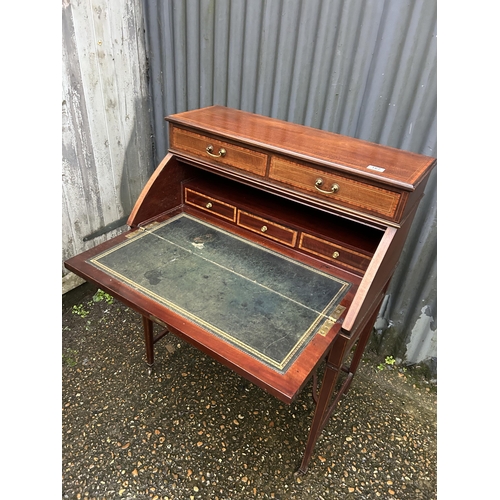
(334, 363)
(148, 337)
(321, 414)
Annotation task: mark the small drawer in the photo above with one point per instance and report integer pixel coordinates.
(267, 228)
(333, 252)
(359, 195)
(209, 149)
(209, 204)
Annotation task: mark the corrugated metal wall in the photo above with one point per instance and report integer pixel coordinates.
(106, 137)
(363, 68)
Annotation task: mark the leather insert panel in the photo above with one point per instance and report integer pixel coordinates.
(266, 304)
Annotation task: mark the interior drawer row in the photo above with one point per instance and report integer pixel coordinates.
(321, 247)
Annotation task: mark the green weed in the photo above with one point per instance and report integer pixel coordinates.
(389, 361)
(80, 311)
(70, 357)
(102, 295)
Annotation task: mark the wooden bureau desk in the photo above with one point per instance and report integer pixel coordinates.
(268, 246)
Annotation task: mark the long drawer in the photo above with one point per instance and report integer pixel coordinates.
(336, 189)
(219, 152)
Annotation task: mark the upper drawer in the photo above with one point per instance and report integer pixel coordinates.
(221, 152)
(337, 189)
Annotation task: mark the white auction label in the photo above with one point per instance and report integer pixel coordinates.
(373, 167)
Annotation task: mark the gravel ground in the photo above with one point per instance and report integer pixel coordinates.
(194, 429)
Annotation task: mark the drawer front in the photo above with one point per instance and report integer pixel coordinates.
(219, 151)
(267, 228)
(209, 204)
(333, 252)
(353, 194)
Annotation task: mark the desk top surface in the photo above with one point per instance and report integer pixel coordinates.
(261, 302)
(375, 161)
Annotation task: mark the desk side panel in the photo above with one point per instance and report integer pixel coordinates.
(378, 274)
(162, 192)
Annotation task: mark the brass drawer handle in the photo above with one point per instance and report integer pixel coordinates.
(263, 229)
(210, 149)
(319, 182)
(208, 205)
(335, 255)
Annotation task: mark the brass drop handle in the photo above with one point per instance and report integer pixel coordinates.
(319, 182)
(263, 229)
(208, 205)
(210, 149)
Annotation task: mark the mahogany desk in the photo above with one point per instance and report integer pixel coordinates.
(268, 246)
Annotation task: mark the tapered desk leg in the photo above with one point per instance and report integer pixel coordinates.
(334, 362)
(148, 337)
(332, 370)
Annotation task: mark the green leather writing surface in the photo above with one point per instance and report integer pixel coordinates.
(260, 301)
